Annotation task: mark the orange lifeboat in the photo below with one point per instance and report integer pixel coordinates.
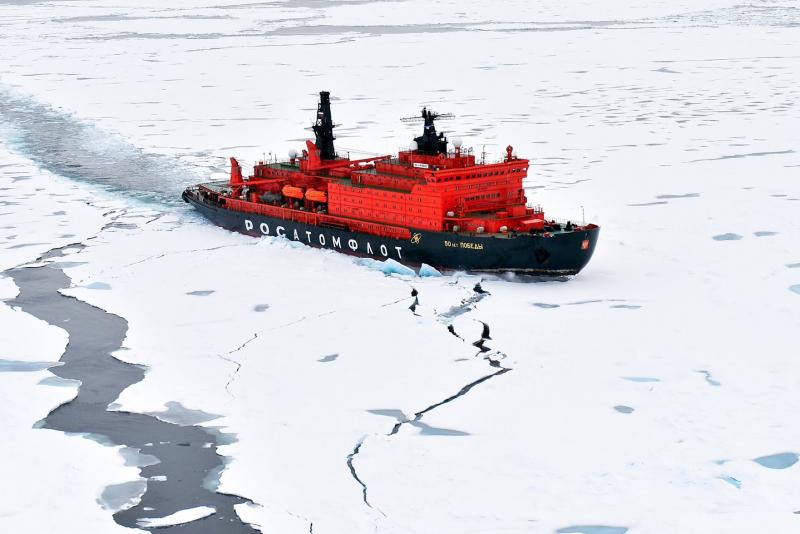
(290, 191)
(316, 196)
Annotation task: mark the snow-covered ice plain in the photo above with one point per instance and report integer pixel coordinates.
(655, 392)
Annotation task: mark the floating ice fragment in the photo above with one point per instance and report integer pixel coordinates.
(764, 233)
(177, 414)
(260, 307)
(727, 237)
(178, 518)
(122, 496)
(391, 266)
(545, 305)
(795, 288)
(15, 366)
(57, 381)
(328, 358)
(427, 270)
(136, 458)
(388, 267)
(623, 409)
(782, 460)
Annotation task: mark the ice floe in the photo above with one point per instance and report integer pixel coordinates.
(178, 518)
(672, 121)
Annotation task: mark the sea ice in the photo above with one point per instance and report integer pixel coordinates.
(427, 270)
(178, 518)
(634, 99)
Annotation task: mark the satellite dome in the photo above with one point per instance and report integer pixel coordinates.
(413, 145)
(292, 153)
(457, 142)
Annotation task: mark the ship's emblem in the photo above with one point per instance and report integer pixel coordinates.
(416, 238)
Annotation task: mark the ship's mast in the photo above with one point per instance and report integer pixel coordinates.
(430, 142)
(323, 127)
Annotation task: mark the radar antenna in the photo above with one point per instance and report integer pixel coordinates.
(430, 142)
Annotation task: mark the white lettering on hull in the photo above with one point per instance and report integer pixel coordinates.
(325, 240)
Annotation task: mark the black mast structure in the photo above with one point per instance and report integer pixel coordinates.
(430, 142)
(323, 127)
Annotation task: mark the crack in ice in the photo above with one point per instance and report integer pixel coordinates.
(237, 363)
(353, 473)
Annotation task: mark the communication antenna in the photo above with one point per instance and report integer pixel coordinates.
(421, 118)
(483, 155)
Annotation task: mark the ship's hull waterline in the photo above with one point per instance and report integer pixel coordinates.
(560, 253)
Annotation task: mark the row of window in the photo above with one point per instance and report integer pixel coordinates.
(371, 198)
(477, 175)
(487, 196)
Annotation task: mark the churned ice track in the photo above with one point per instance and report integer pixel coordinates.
(74, 148)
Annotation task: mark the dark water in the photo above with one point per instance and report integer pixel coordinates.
(187, 455)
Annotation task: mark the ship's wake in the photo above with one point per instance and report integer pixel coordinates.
(65, 145)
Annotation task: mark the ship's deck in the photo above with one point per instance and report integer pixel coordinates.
(223, 187)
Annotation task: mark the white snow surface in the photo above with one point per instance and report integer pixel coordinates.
(639, 392)
(178, 518)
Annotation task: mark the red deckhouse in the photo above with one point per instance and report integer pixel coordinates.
(437, 193)
(427, 193)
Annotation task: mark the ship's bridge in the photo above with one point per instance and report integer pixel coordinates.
(435, 162)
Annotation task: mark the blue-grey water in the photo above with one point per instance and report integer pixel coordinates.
(181, 457)
(782, 460)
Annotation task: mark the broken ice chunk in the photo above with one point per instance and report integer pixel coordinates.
(427, 270)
